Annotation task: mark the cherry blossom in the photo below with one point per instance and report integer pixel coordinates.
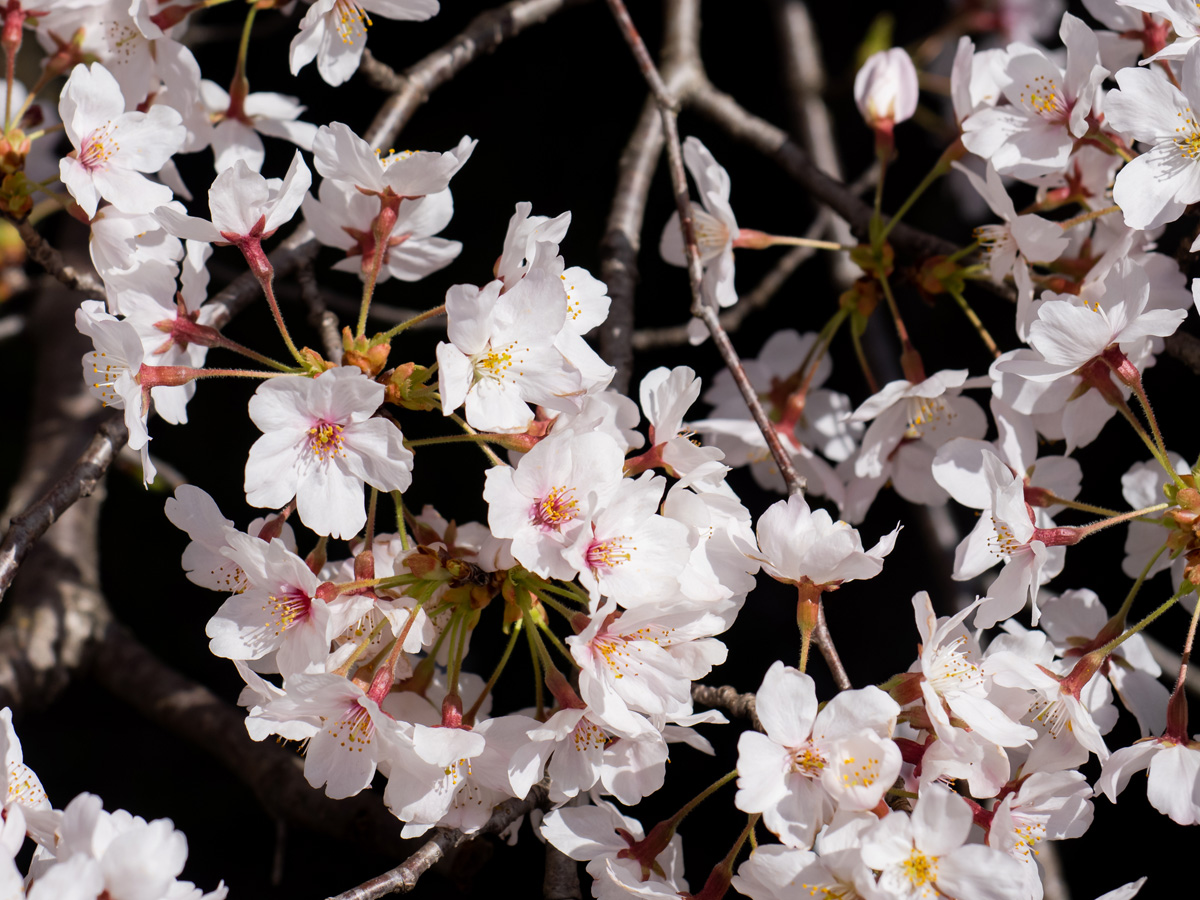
(320, 444)
(334, 32)
(1048, 107)
(113, 147)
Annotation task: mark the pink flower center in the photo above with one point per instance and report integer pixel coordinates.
(99, 147)
(325, 440)
(610, 553)
(555, 510)
(287, 609)
(354, 729)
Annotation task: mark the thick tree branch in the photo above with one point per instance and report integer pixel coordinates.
(404, 877)
(727, 698)
(52, 261)
(274, 773)
(79, 481)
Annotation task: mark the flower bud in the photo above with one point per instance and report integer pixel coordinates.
(885, 89)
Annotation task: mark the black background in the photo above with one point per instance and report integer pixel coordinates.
(552, 110)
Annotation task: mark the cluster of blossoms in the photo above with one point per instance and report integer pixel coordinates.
(941, 781)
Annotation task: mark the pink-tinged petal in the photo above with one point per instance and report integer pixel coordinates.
(377, 455)
(293, 190)
(79, 182)
(237, 198)
(271, 470)
(992, 190)
(1038, 239)
(1147, 107)
(454, 377)
(1122, 765)
(419, 257)
(232, 140)
(90, 99)
(145, 141)
(958, 468)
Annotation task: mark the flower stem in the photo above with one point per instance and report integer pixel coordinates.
(1134, 629)
(469, 715)
(940, 168)
(1089, 530)
(975, 321)
(701, 797)
(1082, 507)
(487, 451)
(473, 438)
(965, 251)
(409, 323)
(1088, 216)
(401, 525)
(269, 292)
(863, 362)
(1127, 604)
(538, 689)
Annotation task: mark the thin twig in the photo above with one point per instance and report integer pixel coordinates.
(774, 143)
(668, 107)
(824, 642)
(404, 877)
(52, 261)
(623, 233)
(727, 698)
(414, 85)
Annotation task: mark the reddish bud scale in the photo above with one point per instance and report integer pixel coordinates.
(717, 885)
(327, 592)
(173, 15)
(910, 751)
(1036, 496)
(14, 24)
(1096, 374)
(753, 240)
(1079, 676)
(651, 459)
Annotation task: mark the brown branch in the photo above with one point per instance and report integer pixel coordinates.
(274, 773)
(774, 143)
(79, 481)
(414, 85)
(404, 877)
(668, 108)
(561, 881)
(52, 261)
(1185, 348)
(824, 642)
(741, 706)
(319, 316)
(623, 233)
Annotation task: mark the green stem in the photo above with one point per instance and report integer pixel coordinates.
(487, 451)
(940, 168)
(1088, 216)
(558, 645)
(469, 715)
(863, 362)
(965, 251)
(1127, 604)
(701, 797)
(976, 322)
(1134, 629)
(538, 689)
(555, 605)
(409, 323)
(1089, 530)
(1125, 411)
(1082, 507)
(1112, 147)
(1140, 392)
(401, 525)
(455, 439)
(269, 292)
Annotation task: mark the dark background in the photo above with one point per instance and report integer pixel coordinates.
(552, 110)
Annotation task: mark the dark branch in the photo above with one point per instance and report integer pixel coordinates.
(52, 261)
(404, 877)
(725, 697)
